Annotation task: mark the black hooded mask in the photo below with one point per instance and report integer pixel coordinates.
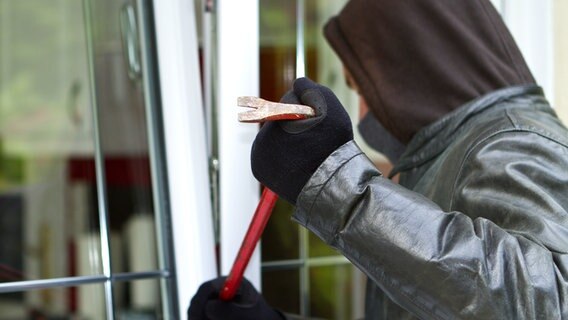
(415, 61)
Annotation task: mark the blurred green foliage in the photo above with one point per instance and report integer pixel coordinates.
(278, 22)
(11, 170)
(42, 53)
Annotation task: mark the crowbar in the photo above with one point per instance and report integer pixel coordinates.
(263, 110)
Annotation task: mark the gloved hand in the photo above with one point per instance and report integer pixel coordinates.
(247, 304)
(285, 154)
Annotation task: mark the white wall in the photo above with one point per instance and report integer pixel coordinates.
(531, 23)
(185, 147)
(238, 74)
(561, 58)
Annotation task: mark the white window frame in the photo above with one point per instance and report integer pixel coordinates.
(185, 137)
(186, 153)
(237, 75)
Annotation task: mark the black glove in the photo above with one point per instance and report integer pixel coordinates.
(247, 303)
(285, 154)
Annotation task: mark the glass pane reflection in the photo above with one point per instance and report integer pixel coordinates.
(47, 197)
(318, 248)
(337, 292)
(281, 289)
(124, 138)
(138, 300)
(49, 210)
(84, 302)
(280, 239)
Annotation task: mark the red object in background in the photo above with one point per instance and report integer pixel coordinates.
(256, 227)
(120, 171)
(72, 267)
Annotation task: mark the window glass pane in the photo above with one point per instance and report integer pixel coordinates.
(138, 299)
(83, 302)
(281, 289)
(49, 207)
(277, 33)
(89, 301)
(48, 213)
(318, 248)
(337, 292)
(122, 120)
(280, 240)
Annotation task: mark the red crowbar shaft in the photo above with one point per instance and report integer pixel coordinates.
(263, 111)
(256, 227)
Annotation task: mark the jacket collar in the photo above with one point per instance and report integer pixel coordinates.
(435, 138)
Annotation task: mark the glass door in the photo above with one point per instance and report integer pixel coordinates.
(82, 217)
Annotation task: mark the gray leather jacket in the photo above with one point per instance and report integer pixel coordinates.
(477, 228)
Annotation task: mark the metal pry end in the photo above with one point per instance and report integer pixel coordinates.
(264, 110)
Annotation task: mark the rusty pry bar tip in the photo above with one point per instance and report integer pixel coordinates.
(264, 110)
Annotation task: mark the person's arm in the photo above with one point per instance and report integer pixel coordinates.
(448, 265)
(433, 263)
(275, 141)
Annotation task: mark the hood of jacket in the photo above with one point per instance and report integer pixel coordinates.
(416, 61)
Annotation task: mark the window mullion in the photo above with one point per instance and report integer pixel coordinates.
(99, 167)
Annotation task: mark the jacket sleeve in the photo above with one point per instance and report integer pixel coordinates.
(506, 259)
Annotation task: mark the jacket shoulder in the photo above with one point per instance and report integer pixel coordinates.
(490, 141)
(517, 178)
(541, 120)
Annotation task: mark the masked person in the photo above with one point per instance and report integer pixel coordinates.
(478, 226)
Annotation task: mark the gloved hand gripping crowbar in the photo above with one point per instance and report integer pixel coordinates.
(263, 110)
